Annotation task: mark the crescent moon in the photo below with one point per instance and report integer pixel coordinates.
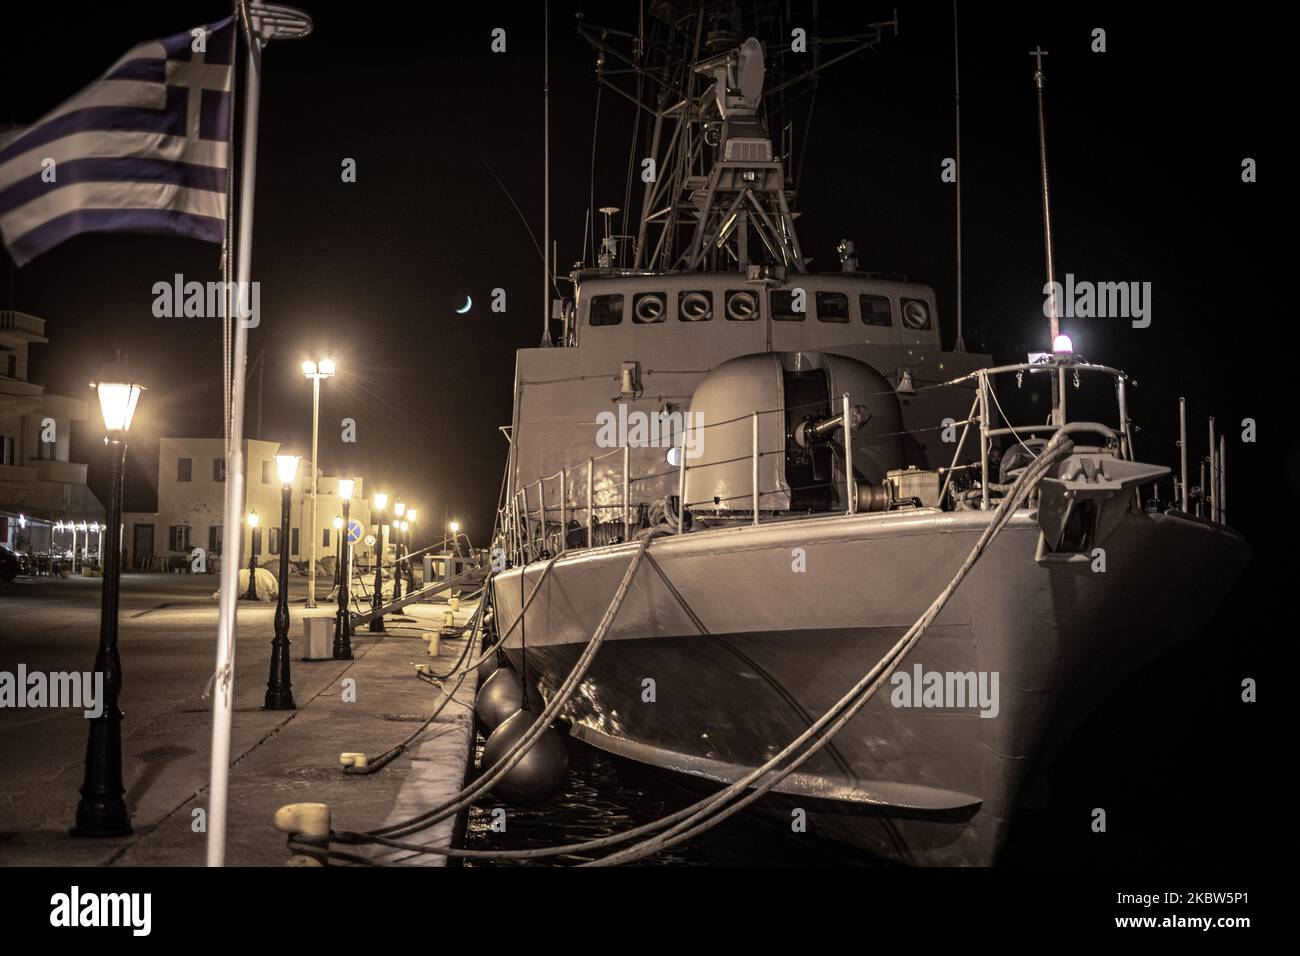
(468, 303)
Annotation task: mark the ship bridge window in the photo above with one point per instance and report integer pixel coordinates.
(649, 307)
(607, 309)
(875, 310)
(783, 304)
(742, 305)
(696, 306)
(832, 307)
(916, 314)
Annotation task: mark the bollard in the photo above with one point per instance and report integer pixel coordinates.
(431, 638)
(310, 823)
(353, 760)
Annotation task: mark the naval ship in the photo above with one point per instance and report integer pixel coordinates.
(815, 466)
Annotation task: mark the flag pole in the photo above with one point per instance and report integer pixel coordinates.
(261, 23)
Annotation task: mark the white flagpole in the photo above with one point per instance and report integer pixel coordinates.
(261, 23)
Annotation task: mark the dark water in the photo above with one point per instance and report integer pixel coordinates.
(606, 795)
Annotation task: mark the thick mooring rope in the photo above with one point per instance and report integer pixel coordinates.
(713, 810)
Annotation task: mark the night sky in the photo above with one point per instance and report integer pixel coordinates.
(1146, 143)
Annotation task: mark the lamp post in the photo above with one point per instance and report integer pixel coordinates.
(454, 527)
(377, 620)
(314, 371)
(251, 593)
(399, 509)
(410, 570)
(338, 551)
(279, 688)
(102, 808)
(343, 620)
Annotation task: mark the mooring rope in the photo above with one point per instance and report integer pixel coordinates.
(711, 811)
(543, 722)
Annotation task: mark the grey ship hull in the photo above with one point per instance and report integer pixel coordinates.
(745, 653)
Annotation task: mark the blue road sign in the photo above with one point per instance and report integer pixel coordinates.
(354, 531)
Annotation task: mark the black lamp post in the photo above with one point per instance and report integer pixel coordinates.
(343, 620)
(377, 620)
(251, 593)
(279, 688)
(410, 571)
(399, 509)
(102, 812)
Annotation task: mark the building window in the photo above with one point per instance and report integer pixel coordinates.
(607, 309)
(783, 307)
(325, 538)
(183, 468)
(214, 538)
(832, 307)
(12, 365)
(275, 540)
(875, 310)
(7, 450)
(218, 469)
(293, 542)
(266, 472)
(178, 537)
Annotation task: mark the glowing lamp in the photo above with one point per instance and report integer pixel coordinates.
(252, 519)
(287, 467)
(345, 488)
(1062, 345)
(338, 522)
(410, 515)
(118, 396)
(399, 508)
(381, 501)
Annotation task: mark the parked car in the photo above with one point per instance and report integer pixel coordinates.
(11, 564)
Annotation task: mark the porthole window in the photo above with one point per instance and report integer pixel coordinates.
(916, 314)
(649, 307)
(742, 305)
(696, 306)
(607, 309)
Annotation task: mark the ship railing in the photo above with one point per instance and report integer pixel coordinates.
(563, 511)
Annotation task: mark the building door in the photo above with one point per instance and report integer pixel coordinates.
(141, 547)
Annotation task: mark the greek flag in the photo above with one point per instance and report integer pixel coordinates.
(141, 150)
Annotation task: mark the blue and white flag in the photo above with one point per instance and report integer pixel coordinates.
(143, 149)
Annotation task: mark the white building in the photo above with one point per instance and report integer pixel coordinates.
(191, 502)
(39, 484)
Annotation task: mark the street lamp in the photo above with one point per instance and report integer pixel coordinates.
(314, 371)
(454, 527)
(251, 593)
(399, 509)
(410, 570)
(279, 689)
(338, 550)
(343, 620)
(102, 808)
(377, 620)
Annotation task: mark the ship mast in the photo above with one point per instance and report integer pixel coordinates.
(1038, 53)
(717, 195)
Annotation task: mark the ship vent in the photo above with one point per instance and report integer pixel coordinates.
(748, 150)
